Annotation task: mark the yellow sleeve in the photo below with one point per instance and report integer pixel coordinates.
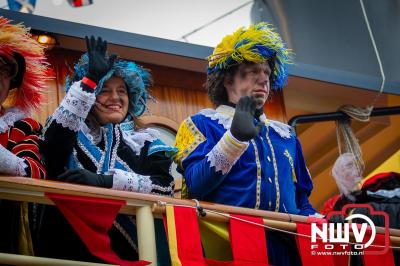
(187, 140)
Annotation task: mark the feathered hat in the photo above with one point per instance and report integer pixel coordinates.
(135, 77)
(259, 43)
(28, 57)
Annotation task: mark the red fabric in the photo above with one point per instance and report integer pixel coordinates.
(91, 219)
(188, 240)
(4, 139)
(22, 140)
(378, 259)
(339, 260)
(248, 241)
(78, 2)
(249, 246)
(89, 82)
(329, 204)
(304, 246)
(376, 178)
(17, 134)
(188, 235)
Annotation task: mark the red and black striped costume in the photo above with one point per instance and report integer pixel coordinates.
(22, 139)
(25, 72)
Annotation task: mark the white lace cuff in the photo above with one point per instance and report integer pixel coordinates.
(130, 181)
(11, 164)
(11, 116)
(74, 108)
(227, 151)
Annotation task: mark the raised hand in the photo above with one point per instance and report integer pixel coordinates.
(99, 64)
(243, 127)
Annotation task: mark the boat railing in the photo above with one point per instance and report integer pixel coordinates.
(145, 207)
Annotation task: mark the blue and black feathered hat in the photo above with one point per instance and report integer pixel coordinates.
(135, 77)
(259, 43)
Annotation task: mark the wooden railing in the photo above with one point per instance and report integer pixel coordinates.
(146, 207)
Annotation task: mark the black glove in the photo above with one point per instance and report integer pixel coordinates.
(99, 65)
(259, 112)
(86, 177)
(243, 127)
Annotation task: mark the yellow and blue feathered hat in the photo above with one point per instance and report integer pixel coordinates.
(136, 78)
(259, 43)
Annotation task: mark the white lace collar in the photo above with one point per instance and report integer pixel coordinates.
(11, 116)
(224, 114)
(284, 130)
(134, 139)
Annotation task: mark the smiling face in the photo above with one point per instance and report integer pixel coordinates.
(112, 102)
(250, 80)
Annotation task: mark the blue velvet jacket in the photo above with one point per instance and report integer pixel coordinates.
(269, 172)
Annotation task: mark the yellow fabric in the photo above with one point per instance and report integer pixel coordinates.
(259, 34)
(24, 237)
(392, 164)
(187, 140)
(215, 240)
(235, 143)
(172, 243)
(184, 191)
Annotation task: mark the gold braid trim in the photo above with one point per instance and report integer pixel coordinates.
(287, 154)
(187, 140)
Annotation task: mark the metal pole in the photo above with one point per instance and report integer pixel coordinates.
(333, 116)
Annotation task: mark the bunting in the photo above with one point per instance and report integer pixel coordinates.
(91, 218)
(247, 240)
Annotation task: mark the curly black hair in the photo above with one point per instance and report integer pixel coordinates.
(215, 84)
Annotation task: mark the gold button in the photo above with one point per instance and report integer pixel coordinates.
(269, 159)
(269, 179)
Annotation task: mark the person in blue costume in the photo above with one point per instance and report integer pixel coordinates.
(234, 154)
(92, 139)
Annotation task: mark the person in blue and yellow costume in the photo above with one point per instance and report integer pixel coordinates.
(234, 154)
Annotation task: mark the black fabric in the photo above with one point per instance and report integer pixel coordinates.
(86, 87)
(378, 203)
(86, 177)
(282, 249)
(243, 127)
(53, 229)
(57, 148)
(386, 182)
(16, 82)
(156, 165)
(389, 206)
(9, 222)
(10, 225)
(257, 113)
